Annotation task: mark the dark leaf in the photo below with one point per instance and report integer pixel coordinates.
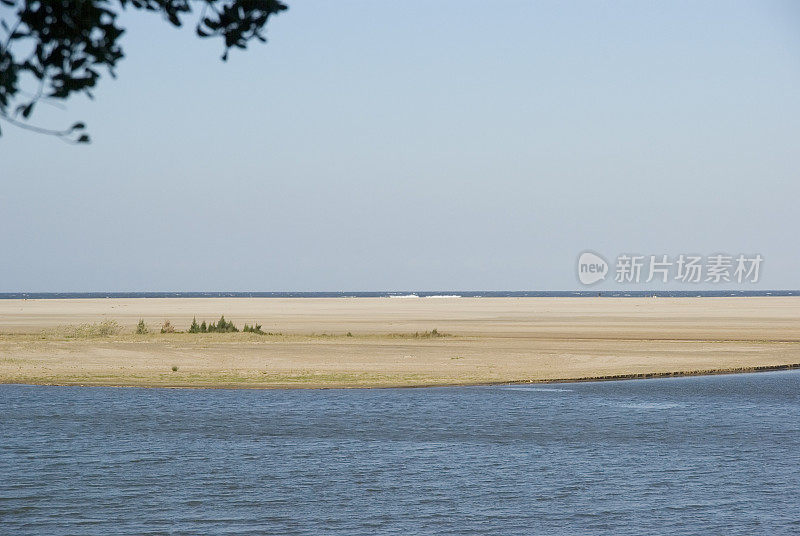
(67, 44)
(26, 109)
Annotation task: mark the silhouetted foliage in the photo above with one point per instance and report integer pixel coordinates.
(59, 47)
(195, 327)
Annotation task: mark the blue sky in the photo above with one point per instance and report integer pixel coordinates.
(418, 145)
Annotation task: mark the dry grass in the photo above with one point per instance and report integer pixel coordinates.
(106, 328)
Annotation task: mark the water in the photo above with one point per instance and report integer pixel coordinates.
(405, 294)
(700, 455)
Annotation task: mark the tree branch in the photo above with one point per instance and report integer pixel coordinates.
(63, 135)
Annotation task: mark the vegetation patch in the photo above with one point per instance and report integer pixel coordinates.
(432, 334)
(225, 326)
(106, 328)
(221, 326)
(253, 329)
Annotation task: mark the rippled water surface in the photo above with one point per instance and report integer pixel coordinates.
(710, 455)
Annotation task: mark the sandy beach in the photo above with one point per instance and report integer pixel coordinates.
(484, 340)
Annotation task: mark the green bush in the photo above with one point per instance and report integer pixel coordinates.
(222, 326)
(225, 326)
(141, 328)
(253, 329)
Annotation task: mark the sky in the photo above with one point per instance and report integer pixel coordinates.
(441, 145)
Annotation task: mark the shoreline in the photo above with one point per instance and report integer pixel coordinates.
(621, 377)
(391, 343)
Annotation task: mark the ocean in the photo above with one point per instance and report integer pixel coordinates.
(403, 294)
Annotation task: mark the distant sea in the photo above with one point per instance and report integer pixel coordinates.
(404, 294)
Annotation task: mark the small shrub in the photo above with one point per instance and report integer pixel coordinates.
(141, 328)
(203, 327)
(174, 368)
(167, 327)
(222, 326)
(108, 327)
(195, 327)
(253, 329)
(434, 333)
(349, 334)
